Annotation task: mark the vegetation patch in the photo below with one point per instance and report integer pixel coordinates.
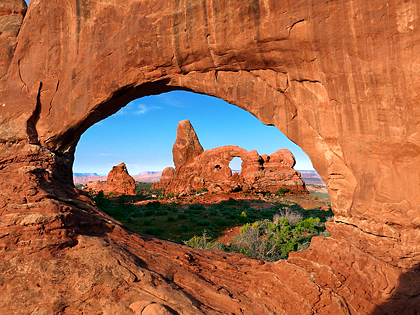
(270, 229)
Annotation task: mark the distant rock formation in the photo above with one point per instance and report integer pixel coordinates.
(119, 182)
(197, 169)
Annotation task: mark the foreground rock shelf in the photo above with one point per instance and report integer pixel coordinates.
(339, 78)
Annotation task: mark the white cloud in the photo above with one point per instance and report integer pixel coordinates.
(170, 100)
(136, 109)
(143, 109)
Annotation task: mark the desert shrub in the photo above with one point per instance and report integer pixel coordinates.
(155, 231)
(152, 205)
(147, 222)
(246, 205)
(283, 190)
(203, 222)
(148, 213)
(292, 216)
(120, 209)
(203, 242)
(274, 240)
(242, 217)
(221, 221)
(196, 207)
(193, 219)
(202, 190)
(225, 212)
(231, 202)
(170, 219)
(185, 228)
(181, 216)
(220, 206)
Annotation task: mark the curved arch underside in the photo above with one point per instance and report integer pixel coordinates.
(339, 78)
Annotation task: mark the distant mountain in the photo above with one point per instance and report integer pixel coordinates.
(150, 172)
(148, 176)
(311, 177)
(85, 174)
(85, 179)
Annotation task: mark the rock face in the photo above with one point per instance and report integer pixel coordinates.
(196, 169)
(118, 182)
(11, 17)
(186, 146)
(338, 78)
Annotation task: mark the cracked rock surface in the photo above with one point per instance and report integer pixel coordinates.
(339, 78)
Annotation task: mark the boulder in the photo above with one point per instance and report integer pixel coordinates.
(118, 182)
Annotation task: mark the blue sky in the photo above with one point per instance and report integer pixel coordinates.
(142, 133)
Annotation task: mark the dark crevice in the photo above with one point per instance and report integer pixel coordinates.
(55, 92)
(307, 80)
(291, 26)
(357, 227)
(20, 77)
(32, 121)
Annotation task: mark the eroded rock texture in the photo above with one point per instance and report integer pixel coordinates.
(196, 169)
(118, 182)
(339, 78)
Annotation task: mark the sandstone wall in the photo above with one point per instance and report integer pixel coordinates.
(339, 78)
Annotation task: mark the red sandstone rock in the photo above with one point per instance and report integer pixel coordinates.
(165, 180)
(118, 182)
(339, 78)
(210, 169)
(11, 18)
(186, 146)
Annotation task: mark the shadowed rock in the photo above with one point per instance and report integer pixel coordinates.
(338, 78)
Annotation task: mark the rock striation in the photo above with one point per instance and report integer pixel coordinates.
(196, 169)
(340, 78)
(118, 182)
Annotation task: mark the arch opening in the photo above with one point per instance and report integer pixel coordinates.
(235, 165)
(143, 133)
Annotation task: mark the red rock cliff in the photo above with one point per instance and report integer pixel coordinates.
(339, 78)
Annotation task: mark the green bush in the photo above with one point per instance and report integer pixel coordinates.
(196, 207)
(152, 205)
(203, 242)
(203, 222)
(221, 221)
(155, 231)
(185, 227)
(283, 190)
(181, 216)
(274, 240)
(202, 190)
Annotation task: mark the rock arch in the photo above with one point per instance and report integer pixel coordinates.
(338, 78)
